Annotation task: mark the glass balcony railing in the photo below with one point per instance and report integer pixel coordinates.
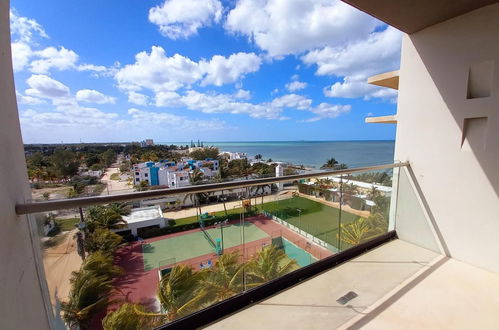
(141, 261)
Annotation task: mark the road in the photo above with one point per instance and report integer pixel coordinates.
(114, 186)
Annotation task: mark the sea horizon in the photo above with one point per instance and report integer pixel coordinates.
(353, 153)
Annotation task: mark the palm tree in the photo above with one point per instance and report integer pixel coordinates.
(120, 208)
(132, 317)
(89, 294)
(104, 217)
(102, 240)
(225, 279)
(179, 291)
(269, 264)
(373, 192)
(330, 163)
(356, 232)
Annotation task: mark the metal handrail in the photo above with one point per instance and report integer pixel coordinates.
(27, 208)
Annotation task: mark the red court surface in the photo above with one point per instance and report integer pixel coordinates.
(139, 286)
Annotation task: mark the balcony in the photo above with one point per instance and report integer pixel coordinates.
(354, 248)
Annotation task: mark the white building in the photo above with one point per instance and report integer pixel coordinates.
(230, 156)
(143, 218)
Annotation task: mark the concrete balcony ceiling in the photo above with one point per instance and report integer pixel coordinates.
(411, 16)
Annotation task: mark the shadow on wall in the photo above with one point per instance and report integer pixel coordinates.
(465, 70)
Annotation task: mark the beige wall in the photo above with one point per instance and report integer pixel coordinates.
(21, 303)
(456, 167)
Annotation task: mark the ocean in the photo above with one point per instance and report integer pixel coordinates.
(313, 153)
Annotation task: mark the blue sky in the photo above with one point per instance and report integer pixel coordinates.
(181, 70)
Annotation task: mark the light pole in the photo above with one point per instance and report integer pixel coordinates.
(299, 217)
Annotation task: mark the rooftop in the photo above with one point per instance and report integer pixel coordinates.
(143, 214)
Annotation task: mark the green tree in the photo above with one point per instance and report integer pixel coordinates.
(64, 163)
(90, 292)
(269, 264)
(332, 163)
(108, 157)
(104, 217)
(207, 152)
(102, 240)
(178, 291)
(225, 279)
(132, 317)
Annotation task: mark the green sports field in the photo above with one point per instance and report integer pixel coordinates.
(320, 220)
(195, 244)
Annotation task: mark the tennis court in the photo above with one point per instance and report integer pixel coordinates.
(193, 245)
(320, 220)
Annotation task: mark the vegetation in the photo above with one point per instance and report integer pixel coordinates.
(132, 317)
(334, 165)
(269, 264)
(382, 178)
(102, 240)
(91, 288)
(179, 293)
(184, 291)
(66, 224)
(108, 217)
(204, 153)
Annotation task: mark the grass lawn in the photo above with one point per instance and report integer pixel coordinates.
(67, 224)
(195, 244)
(115, 176)
(318, 219)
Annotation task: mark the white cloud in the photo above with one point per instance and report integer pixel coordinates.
(70, 116)
(158, 72)
(93, 96)
(290, 27)
(59, 59)
(21, 54)
(168, 99)
(51, 57)
(29, 100)
(91, 67)
(296, 86)
(242, 94)
(137, 98)
(221, 70)
(46, 87)
(380, 52)
(181, 18)
(23, 29)
(292, 101)
(326, 110)
(227, 103)
(217, 103)
(165, 119)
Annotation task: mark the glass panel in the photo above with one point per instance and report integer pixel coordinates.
(164, 258)
(412, 222)
(365, 206)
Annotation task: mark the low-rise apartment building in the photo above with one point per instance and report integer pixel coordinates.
(173, 174)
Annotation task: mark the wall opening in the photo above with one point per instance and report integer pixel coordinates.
(474, 132)
(480, 79)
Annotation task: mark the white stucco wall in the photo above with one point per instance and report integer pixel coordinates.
(21, 302)
(460, 181)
